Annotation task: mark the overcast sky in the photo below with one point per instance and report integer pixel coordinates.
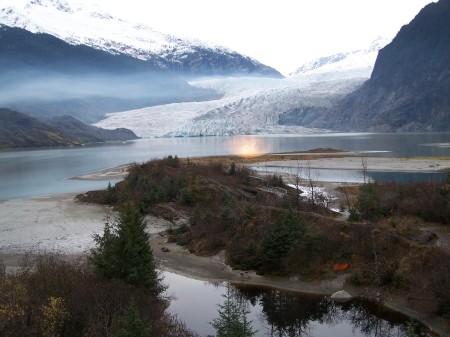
(280, 33)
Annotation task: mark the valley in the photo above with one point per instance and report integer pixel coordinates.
(316, 200)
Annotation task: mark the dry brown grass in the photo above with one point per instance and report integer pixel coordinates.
(304, 155)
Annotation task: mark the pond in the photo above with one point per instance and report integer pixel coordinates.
(282, 313)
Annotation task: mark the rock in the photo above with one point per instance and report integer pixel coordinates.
(165, 249)
(426, 237)
(341, 296)
(409, 85)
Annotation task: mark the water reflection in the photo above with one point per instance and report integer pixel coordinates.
(278, 313)
(354, 176)
(364, 321)
(286, 314)
(246, 146)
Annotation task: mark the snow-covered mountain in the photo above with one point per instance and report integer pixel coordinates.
(358, 63)
(43, 76)
(95, 28)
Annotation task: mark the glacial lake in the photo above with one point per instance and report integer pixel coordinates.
(28, 173)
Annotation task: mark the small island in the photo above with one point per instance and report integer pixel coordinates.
(383, 241)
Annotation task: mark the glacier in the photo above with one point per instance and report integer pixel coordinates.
(248, 106)
(252, 105)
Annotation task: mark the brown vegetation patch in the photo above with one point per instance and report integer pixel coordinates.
(304, 155)
(52, 297)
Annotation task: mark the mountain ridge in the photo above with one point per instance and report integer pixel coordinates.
(362, 60)
(105, 32)
(20, 130)
(44, 76)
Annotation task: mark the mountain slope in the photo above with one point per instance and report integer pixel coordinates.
(357, 63)
(97, 29)
(352, 67)
(410, 84)
(19, 130)
(45, 76)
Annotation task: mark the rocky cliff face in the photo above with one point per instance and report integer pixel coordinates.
(409, 89)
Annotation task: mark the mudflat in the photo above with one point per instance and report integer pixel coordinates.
(356, 162)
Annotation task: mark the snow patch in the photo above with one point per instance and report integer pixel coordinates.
(355, 63)
(93, 27)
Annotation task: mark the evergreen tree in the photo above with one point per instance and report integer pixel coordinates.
(132, 324)
(369, 203)
(124, 252)
(278, 242)
(232, 169)
(232, 320)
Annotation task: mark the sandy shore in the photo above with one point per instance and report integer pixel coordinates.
(49, 223)
(327, 160)
(59, 223)
(372, 164)
(112, 173)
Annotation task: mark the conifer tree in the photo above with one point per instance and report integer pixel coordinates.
(277, 242)
(123, 251)
(132, 324)
(233, 318)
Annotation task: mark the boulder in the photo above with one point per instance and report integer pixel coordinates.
(341, 296)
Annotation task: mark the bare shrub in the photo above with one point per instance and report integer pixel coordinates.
(52, 296)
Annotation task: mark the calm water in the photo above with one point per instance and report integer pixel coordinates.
(356, 176)
(282, 313)
(29, 173)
